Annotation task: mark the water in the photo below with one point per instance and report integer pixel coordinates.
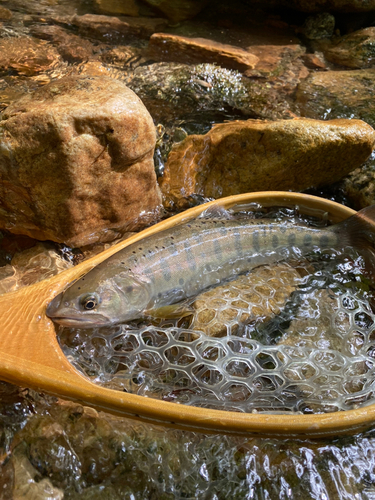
(295, 337)
(55, 449)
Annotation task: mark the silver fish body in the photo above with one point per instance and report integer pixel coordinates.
(178, 263)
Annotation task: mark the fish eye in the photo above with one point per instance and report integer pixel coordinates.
(89, 302)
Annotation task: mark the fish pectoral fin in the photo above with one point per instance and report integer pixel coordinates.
(171, 311)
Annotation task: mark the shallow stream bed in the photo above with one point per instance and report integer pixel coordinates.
(54, 449)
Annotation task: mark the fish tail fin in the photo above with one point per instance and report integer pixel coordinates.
(358, 230)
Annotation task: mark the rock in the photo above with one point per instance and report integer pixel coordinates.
(356, 50)
(319, 5)
(26, 55)
(276, 60)
(122, 7)
(319, 26)
(252, 155)
(5, 14)
(31, 266)
(172, 91)
(359, 185)
(117, 29)
(72, 48)
(76, 162)
(257, 296)
(174, 48)
(337, 94)
(178, 10)
(314, 61)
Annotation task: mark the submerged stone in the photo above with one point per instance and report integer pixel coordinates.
(252, 155)
(76, 162)
(258, 296)
(338, 94)
(26, 55)
(115, 29)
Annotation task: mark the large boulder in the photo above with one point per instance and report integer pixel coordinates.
(254, 155)
(76, 162)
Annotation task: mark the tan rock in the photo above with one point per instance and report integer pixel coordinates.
(174, 48)
(26, 55)
(71, 47)
(274, 59)
(5, 14)
(355, 50)
(337, 94)
(258, 295)
(110, 28)
(76, 162)
(254, 155)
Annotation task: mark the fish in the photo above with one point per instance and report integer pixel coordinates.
(152, 276)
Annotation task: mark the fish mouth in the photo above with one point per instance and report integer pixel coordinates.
(87, 322)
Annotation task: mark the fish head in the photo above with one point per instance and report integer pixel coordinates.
(101, 302)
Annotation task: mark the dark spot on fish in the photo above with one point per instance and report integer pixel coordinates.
(324, 240)
(165, 270)
(181, 281)
(129, 289)
(172, 238)
(144, 255)
(134, 251)
(217, 249)
(307, 240)
(122, 263)
(79, 288)
(292, 239)
(150, 251)
(237, 243)
(157, 248)
(208, 268)
(159, 295)
(256, 241)
(140, 248)
(190, 257)
(275, 241)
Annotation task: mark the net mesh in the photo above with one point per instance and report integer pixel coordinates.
(285, 338)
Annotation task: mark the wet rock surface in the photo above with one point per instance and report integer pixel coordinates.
(337, 94)
(356, 50)
(116, 29)
(359, 185)
(252, 155)
(78, 154)
(26, 56)
(165, 47)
